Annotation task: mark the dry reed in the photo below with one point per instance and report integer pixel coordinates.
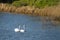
(53, 11)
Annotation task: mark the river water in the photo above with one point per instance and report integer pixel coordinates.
(36, 28)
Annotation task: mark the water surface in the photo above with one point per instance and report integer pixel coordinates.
(36, 28)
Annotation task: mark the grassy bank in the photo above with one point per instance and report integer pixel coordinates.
(36, 3)
(52, 11)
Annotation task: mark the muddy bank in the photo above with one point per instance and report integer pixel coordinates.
(47, 11)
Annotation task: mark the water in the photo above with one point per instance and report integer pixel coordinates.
(36, 28)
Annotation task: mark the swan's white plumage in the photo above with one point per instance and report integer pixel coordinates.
(19, 29)
(16, 30)
(22, 30)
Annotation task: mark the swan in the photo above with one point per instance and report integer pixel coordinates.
(19, 29)
(16, 30)
(22, 30)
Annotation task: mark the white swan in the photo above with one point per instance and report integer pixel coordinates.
(19, 29)
(22, 30)
(16, 30)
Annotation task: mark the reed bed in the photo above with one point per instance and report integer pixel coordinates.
(52, 12)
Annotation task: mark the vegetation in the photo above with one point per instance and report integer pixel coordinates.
(29, 7)
(36, 3)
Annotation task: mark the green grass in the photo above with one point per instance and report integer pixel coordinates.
(36, 3)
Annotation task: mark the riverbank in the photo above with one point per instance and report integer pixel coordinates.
(52, 11)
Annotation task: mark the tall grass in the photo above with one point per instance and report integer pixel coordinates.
(36, 3)
(52, 12)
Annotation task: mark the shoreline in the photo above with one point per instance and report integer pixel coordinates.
(53, 11)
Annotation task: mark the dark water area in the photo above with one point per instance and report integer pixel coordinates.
(36, 28)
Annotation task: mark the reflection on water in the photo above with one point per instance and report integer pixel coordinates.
(37, 28)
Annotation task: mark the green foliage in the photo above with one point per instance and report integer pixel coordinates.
(31, 2)
(43, 3)
(16, 3)
(24, 2)
(36, 3)
(52, 2)
(20, 3)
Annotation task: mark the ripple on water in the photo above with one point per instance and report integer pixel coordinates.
(35, 28)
